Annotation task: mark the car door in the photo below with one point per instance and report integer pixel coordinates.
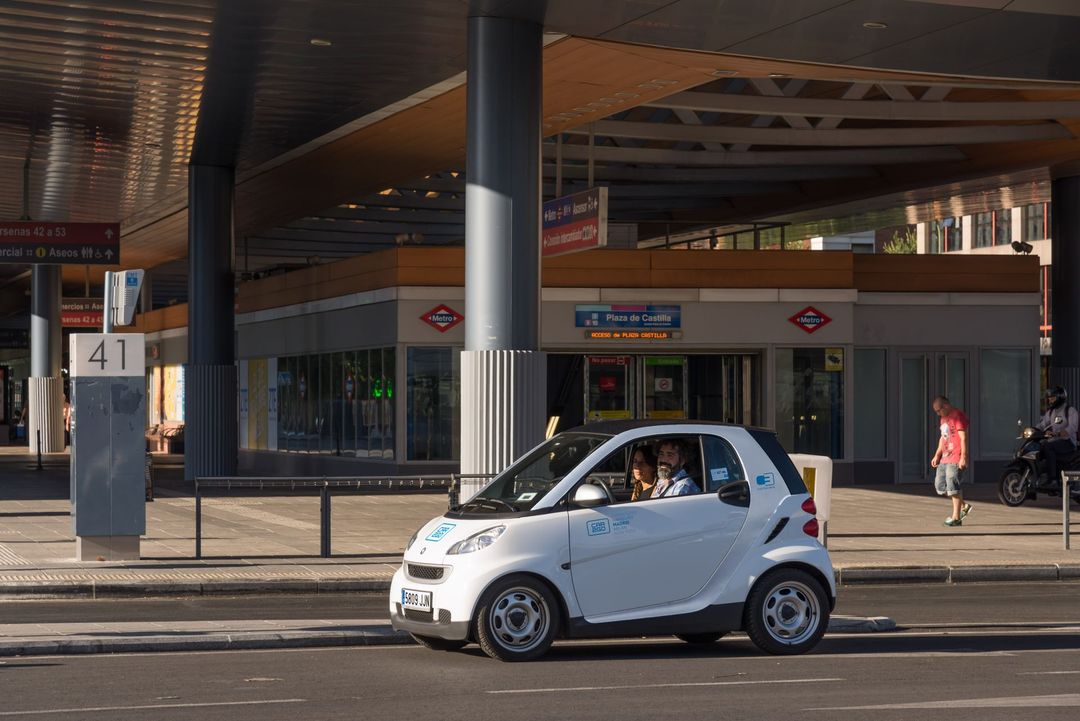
(627, 556)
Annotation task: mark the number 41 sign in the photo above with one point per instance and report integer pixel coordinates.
(108, 354)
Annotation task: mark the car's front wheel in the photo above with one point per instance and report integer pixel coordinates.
(517, 619)
(438, 644)
(787, 612)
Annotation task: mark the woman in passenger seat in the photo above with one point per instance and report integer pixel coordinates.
(644, 472)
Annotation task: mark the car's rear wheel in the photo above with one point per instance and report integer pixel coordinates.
(438, 644)
(700, 638)
(787, 612)
(517, 619)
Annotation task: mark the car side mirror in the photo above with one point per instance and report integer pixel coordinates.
(589, 495)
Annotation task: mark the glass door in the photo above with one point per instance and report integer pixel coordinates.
(609, 387)
(914, 410)
(663, 392)
(922, 377)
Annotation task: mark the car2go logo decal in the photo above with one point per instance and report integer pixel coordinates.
(765, 480)
(597, 528)
(439, 533)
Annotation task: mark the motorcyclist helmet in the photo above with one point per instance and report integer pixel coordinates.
(1056, 396)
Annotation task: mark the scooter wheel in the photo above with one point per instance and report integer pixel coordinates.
(1012, 488)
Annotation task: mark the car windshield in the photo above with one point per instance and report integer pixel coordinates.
(524, 484)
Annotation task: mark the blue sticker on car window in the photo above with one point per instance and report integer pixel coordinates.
(597, 528)
(439, 533)
(765, 480)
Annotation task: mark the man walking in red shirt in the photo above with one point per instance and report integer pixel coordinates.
(951, 458)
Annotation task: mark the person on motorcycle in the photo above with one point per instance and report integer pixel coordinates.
(1060, 423)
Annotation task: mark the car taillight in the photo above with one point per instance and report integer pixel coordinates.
(809, 506)
(810, 528)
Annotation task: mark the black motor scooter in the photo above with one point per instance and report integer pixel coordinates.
(1026, 475)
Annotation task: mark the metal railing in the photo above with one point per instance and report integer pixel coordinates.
(326, 486)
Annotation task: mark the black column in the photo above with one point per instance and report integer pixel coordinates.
(210, 418)
(1065, 290)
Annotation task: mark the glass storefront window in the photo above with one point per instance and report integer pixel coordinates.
(870, 400)
(337, 403)
(1005, 392)
(1003, 230)
(810, 400)
(434, 427)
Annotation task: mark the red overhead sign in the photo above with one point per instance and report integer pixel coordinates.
(810, 319)
(442, 318)
(31, 241)
(82, 312)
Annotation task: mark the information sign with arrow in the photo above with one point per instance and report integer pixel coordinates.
(31, 241)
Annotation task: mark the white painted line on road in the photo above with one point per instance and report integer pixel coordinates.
(1047, 673)
(666, 685)
(1059, 700)
(149, 707)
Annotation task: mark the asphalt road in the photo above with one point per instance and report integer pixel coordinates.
(1000, 675)
(911, 606)
(1026, 665)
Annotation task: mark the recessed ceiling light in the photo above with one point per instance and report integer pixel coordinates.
(875, 25)
(779, 75)
(320, 42)
(724, 73)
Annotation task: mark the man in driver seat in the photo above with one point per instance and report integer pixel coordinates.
(672, 477)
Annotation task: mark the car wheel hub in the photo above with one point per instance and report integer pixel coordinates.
(519, 619)
(791, 613)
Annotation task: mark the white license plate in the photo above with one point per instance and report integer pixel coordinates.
(416, 600)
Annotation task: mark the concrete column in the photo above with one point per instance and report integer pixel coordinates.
(503, 379)
(210, 420)
(1065, 291)
(46, 387)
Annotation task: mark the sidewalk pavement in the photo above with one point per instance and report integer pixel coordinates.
(259, 543)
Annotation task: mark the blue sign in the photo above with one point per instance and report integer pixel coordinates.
(439, 533)
(765, 480)
(628, 316)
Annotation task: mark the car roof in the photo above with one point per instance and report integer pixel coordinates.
(616, 427)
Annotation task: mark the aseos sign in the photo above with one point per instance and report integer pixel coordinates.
(442, 318)
(30, 241)
(810, 319)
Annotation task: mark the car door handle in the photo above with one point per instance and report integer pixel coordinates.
(736, 493)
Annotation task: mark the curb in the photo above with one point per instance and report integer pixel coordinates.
(858, 624)
(124, 589)
(957, 574)
(374, 635)
(857, 576)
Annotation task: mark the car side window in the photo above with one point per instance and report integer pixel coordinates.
(721, 463)
(612, 473)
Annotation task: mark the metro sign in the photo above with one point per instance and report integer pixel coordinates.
(810, 319)
(442, 318)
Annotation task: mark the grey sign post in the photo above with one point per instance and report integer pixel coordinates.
(108, 447)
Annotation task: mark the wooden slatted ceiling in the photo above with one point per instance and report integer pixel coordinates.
(431, 136)
(437, 267)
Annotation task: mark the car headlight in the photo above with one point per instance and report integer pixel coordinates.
(412, 540)
(477, 541)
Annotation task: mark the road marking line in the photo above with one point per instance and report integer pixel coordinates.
(1066, 699)
(148, 707)
(1047, 673)
(666, 685)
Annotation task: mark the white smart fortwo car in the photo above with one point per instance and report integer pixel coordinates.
(555, 547)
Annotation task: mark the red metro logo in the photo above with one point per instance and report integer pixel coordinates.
(810, 319)
(442, 318)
